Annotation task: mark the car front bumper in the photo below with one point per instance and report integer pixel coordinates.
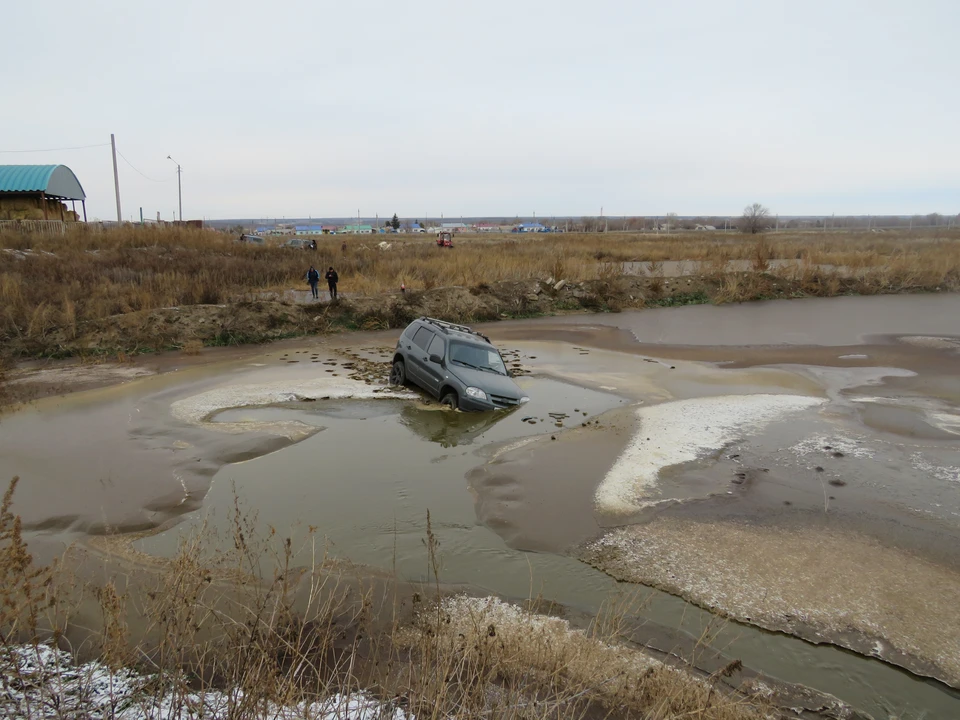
(470, 404)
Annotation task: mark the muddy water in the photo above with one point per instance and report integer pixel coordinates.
(370, 506)
(508, 503)
(819, 322)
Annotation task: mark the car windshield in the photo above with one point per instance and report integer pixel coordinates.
(478, 357)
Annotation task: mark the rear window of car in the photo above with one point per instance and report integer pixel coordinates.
(422, 338)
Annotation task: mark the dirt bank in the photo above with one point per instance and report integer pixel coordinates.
(245, 321)
(806, 581)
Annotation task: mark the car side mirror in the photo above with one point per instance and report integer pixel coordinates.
(436, 359)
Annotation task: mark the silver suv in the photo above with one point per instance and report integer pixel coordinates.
(458, 365)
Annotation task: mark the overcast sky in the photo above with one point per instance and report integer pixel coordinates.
(559, 107)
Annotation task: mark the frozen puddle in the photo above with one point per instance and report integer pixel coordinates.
(198, 409)
(683, 431)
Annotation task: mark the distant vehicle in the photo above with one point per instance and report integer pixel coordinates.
(301, 243)
(445, 239)
(456, 365)
(253, 239)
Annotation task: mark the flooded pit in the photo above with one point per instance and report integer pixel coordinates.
(510, 505)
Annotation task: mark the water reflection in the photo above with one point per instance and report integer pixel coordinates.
(449, 428)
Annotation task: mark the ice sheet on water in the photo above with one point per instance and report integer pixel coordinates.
(683, 431)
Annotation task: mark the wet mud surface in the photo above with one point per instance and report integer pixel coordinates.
(793, 465)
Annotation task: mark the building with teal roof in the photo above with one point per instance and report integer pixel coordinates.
(43, 187)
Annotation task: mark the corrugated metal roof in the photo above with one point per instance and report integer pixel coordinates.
(25, 178)
(55, 180)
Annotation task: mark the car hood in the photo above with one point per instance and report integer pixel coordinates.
(487, 381)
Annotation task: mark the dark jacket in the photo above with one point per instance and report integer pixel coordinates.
(313, 276)
(332, 277)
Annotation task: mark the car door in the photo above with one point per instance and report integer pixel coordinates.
(433, 373)
(417, 356)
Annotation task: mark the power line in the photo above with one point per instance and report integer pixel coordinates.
(78, 147)
(135, 168)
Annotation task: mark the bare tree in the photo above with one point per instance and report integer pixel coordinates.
(756, 219)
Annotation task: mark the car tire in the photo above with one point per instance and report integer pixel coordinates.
(398, 373)
(450, 400)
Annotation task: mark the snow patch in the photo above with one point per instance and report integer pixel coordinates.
(683, 431)
(44, 682)
(466, 615)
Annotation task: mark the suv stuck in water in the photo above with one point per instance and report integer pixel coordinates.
(455, 364)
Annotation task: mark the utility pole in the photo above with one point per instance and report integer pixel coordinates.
(116, 174)
(179, 190)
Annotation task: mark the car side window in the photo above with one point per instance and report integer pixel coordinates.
(436, 346)
(422, 338)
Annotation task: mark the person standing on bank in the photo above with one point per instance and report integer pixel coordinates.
(313, 277)
(332, 280)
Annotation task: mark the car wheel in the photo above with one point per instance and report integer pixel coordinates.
(398, 374)
(450, 400)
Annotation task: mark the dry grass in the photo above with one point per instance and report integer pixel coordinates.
(247, 633)
(53, 288)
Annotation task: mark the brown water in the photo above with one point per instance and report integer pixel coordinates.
(366, 471)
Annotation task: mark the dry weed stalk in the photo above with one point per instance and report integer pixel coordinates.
(102, 276)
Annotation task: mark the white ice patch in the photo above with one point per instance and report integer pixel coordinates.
(852, 357)
(46, 683)
(683, 431)
(935, 412)
(931, 341)
(198, 409)
(946, 474)
(948, 422)
(820, 443)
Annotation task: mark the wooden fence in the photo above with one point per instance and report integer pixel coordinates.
(40, 227)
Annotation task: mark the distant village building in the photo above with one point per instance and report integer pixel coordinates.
(454, 227)
(309, 230)
(357, 229)
(275, 231)
(705, 227)
(532, 227)
(484, 227)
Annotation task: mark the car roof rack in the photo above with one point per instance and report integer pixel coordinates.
(446, 327)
